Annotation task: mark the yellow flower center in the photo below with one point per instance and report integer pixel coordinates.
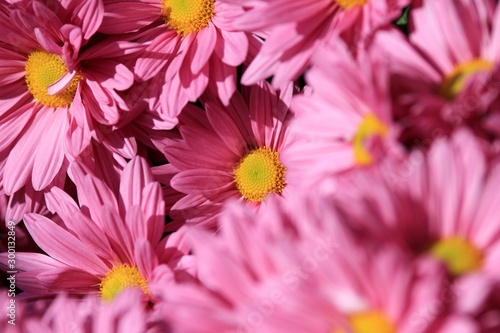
(369, 322)
(187, 16)
(370, 126)
(455, 81)
(459, 255)
(43, 69)
(346, 4)
(259, 173)
(118, 279)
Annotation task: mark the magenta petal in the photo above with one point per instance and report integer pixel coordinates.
(69, 279)
(62, 245)
(95, 194)
(153, 208)
(233, 50)
(122, 17)
(14, 123)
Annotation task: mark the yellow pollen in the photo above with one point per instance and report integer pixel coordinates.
(118, 279)
(187, 16)
(43, 69)
(259, 173)
(346, 4)
(369, 322)
(458, 254)
(455, 81)
(369, 127)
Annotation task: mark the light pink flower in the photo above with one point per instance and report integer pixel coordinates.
(307, 275)
(441, 205)
(443, 74)
(232, 151)
(293, 29)
(189, 46)
(58, 91)
(344, 117)
(106, 244)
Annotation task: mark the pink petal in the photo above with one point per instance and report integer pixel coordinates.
(202, 181)
(203, 45)
(88, 14)
(50, 153)
(145, 257)
(24, 152)
(135, 177)
(62, 245)
(123, 17)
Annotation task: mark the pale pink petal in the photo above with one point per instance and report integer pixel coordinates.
(233, 50)
(203, 46)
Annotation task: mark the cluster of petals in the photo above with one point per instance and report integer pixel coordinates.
(257, 166)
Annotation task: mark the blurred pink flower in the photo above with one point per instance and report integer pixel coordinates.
(443, 74)
(441, 205)
(343, 117)
(308, 275)
(293, 29)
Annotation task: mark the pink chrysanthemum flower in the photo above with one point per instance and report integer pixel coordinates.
(443, 74)
(232, 151)
(343, 116)
(189, 45)
(105, 246)
(310, 277)
(293, 29)
(58, 91)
